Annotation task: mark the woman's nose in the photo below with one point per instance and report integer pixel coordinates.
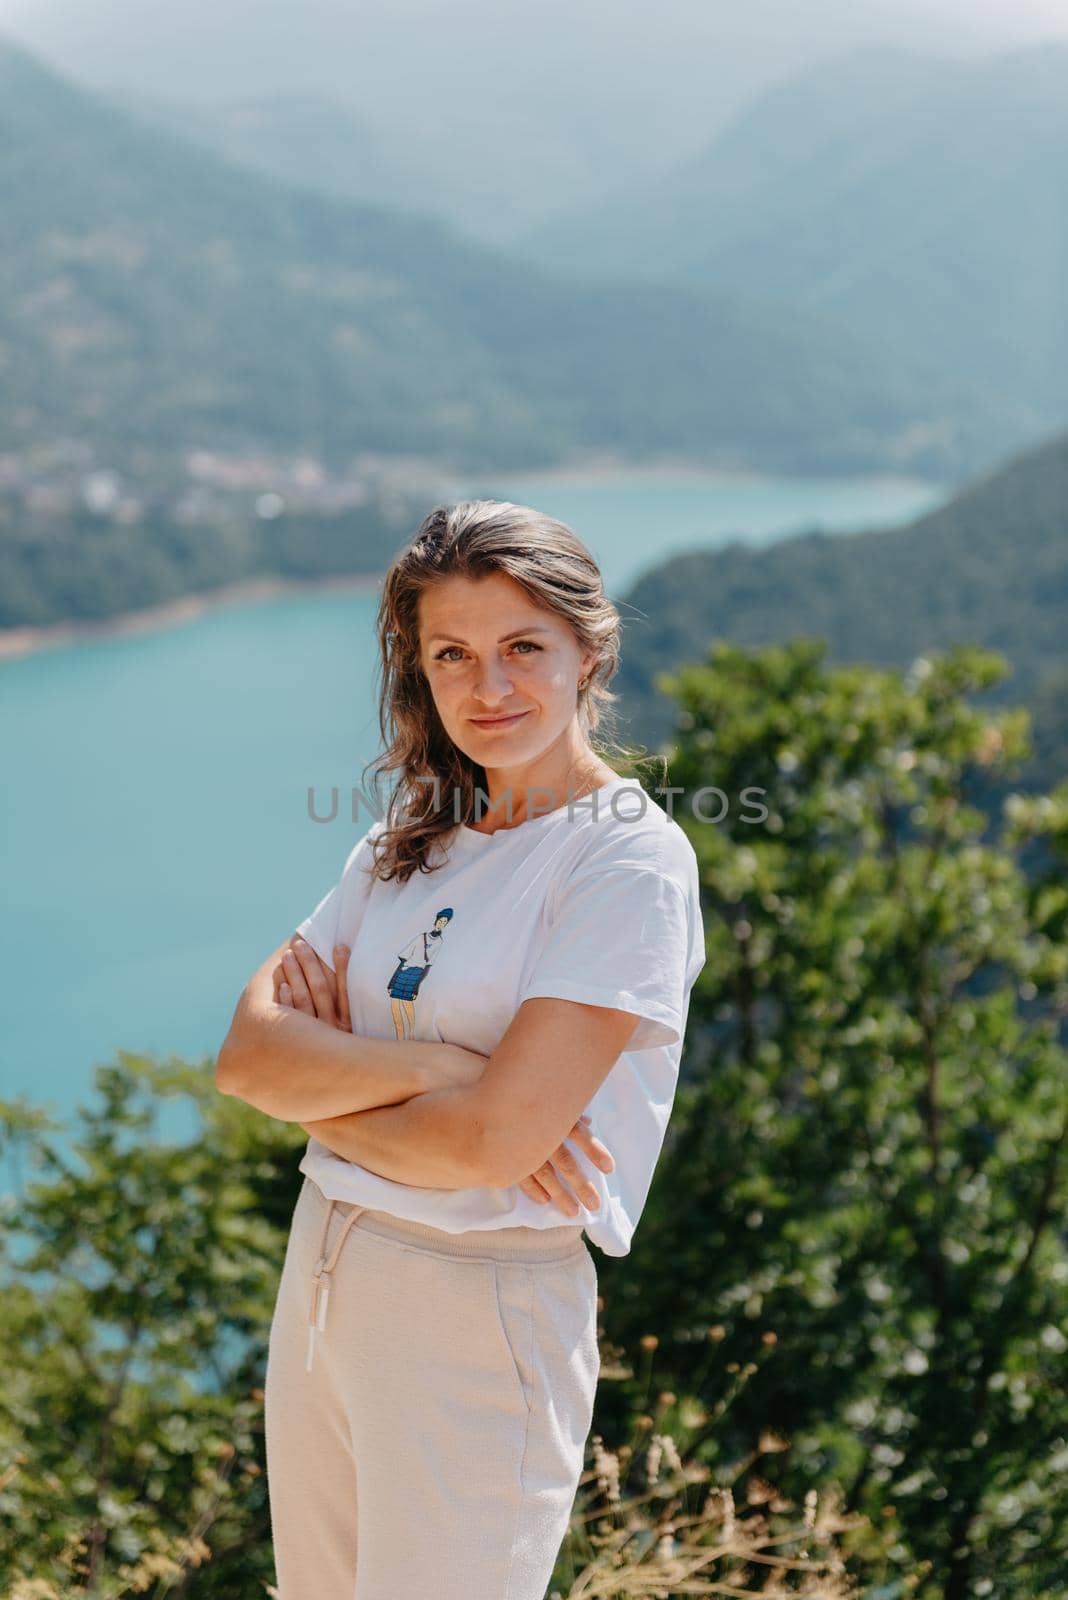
(492, 681)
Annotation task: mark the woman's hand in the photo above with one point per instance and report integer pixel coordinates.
(302, 982)
(544, 1183)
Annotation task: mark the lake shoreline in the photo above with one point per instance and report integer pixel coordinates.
(597, 472)
(17, 643)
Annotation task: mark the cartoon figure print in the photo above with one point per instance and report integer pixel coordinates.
(413, 964)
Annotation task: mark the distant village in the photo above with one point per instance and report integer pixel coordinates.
(64, 477)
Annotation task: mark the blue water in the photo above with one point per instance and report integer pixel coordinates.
(157, 842)
(639, 521)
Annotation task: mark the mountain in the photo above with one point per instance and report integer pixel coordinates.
(489, 190)
(155, 300)
(989, 567)
(303, 139)
(920, 199)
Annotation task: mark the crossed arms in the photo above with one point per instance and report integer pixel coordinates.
(421, 1112)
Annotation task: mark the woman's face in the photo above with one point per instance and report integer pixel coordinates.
(503, 671)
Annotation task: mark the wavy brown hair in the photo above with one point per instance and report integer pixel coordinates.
(472, 539)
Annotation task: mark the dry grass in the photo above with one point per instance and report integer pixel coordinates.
(647, 1543)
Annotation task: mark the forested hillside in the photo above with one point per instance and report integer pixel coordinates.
(154, 298)
(988, 568)
(896, 191)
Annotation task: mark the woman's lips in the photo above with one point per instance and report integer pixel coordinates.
(497, 722)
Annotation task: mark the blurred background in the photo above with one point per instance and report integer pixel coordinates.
(771, 306)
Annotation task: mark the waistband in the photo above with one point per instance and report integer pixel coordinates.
(532, 1245)
(502, 1244)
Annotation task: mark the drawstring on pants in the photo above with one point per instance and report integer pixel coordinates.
(321, 1276)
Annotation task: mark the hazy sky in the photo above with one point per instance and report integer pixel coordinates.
(683, 65)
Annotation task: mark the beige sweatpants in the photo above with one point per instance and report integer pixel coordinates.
(428, 1399)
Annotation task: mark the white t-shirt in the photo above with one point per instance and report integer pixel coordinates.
(603, 909)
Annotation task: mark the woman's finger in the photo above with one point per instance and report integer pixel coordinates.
(547, 1183)
(561, 1196)
(591, 1146)
(551, 1175)
(277, 978)
(321, 982)
(298, 983)
(318, 980)
(568, 1166)
(285, 994)
(341, 981)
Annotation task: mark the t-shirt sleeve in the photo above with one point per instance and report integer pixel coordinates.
(626, 932)
(336, 919)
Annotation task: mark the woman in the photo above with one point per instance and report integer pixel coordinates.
(426, 1440)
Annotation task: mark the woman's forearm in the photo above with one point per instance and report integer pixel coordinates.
(292, 1066)
(434, 1140)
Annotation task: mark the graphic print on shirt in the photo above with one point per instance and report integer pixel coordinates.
(413, 964)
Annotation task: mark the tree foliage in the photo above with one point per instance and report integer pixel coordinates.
(139, 1285)
(867, 1157)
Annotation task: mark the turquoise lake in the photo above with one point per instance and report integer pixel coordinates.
(157, 841)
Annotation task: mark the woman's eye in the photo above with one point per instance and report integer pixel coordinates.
(524, 645)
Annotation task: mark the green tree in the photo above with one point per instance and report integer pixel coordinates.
(139, 1281)
(865, 1173)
